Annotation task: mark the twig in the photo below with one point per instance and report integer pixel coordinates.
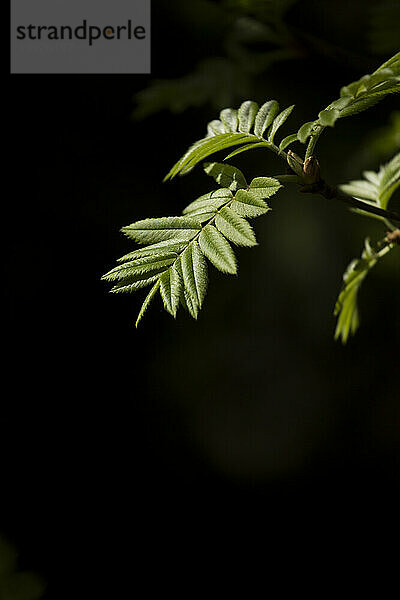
(311, 182)
(333, 193)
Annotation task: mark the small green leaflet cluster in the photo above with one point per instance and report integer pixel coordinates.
(346, 308)
(248, 127)
(376, 188)
(355, 98)
(173, 259)
(253, 127)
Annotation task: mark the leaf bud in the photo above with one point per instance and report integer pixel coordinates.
(311, 170)
(295, 163)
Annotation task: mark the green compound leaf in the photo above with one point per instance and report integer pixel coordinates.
(356, 97)
(361, 189)
(250, 127)
(177, 266)
(173, 259)
(346, 308)
(378, 187)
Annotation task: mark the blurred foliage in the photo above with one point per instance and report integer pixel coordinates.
(271, 10)
(384, 32)
(220, 80)
(235, 127)
(214, 80)
(378, 144)
(15, 584)
(383, 141)
(252, 36)
(293, 399)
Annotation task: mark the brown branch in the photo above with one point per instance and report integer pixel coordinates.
(333, 193)
(393, 237)
(309, 172)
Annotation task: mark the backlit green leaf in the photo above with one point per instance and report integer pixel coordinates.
(218, 251)
(170, 289)
(278, 122)
(248, 205)
(226, 175)
(146, 303)
(264, 187)
(247, 114)
(265, 116)
(328, 117)
(229, 118)
(150, 231)
(287, 141)
(235, 228)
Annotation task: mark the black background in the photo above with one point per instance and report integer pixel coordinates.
(119, 445)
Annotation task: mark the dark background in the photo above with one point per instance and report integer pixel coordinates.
(119, 445)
